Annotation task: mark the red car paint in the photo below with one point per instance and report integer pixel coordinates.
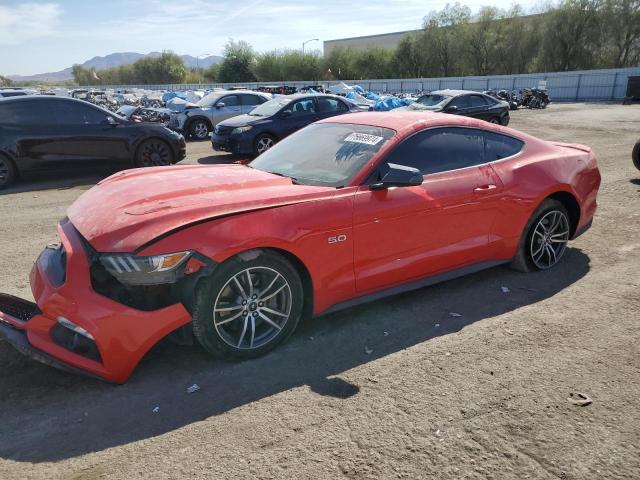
(454, 219)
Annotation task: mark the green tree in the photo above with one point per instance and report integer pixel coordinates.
(621, 29)
(443, 30)
(5, 82)
(238, 61)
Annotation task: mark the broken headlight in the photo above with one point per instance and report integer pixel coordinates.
(152, 270)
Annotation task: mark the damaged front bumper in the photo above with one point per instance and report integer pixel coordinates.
(74, 328)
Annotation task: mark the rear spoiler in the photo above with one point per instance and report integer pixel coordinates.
(575, 146)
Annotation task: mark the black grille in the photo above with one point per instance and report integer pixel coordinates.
(219, 130)
(18, 308)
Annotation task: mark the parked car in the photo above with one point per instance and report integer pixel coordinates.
(144, 114)
(14, 92)
(259, 130)
(199, 119)
(464, 102)
(347, 210)
(47, 133)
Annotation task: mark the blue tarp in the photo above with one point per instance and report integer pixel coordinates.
(390, 103)
(169, 95)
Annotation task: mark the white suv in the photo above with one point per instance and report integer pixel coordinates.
(198, 120)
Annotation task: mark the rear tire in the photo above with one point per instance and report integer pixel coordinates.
(154, 153)
(252, 303)
(8, 173)
(636, 155)
(544, 238)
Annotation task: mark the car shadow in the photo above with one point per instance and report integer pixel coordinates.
(60, 180)
(635, 181)
(47, 415)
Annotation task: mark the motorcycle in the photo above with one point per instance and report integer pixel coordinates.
(534, 98)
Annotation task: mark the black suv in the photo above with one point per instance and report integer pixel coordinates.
(45, 133)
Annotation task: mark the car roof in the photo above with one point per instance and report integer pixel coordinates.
(454, 93)
(297, 96)
(406, 122)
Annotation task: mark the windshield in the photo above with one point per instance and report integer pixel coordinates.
(325, 154)
(269, 108)
(432, 99)
(208, 100)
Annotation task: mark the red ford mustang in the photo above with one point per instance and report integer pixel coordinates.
(346, 210)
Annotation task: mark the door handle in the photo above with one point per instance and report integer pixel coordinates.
(485, 188)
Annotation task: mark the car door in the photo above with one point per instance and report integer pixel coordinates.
(330, 107)
(406, 233)
(226, 107)
(249, 101)
(296, 115)
(87, 136)
(479, 107)
(461, 103)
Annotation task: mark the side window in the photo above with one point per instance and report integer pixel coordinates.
(230, 101)
(250, 100)
(499, 146)
(478, 101)
(26, 113)
(461, 102)
(71, 113)
(301, 107)
(440, 150)
(327, 105)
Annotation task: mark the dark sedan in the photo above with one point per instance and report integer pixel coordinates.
(256, 132)
(464, 102)
(40, 133)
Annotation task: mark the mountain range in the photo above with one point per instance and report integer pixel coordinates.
(111, 61)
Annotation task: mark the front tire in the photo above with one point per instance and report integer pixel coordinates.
(251, 304)
(199, 129)
(8, 172)
(544, 239)
(154, 153)
(263, 143)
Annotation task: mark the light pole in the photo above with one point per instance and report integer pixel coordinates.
(307, 41)
(198, 64)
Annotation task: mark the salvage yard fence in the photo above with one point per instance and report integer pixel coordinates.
(577, 86)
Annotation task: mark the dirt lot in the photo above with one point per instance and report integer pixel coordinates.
(483, 395)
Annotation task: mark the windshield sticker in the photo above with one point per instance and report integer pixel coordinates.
(363, 138)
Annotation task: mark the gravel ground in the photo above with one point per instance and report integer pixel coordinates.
(393, 389)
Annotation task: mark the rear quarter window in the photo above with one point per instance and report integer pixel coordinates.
(499, 146)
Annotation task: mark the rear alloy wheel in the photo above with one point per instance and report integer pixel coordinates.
(263, 143)
(7, 172)
(248, 307)
(199, 129)
(154, 153)
(495, 120)
(545, 239)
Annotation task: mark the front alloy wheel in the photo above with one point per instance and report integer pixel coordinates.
(252, 308)
(264, 143)
(250, 304)
(199, 129)
(7, 172)
(154, 153)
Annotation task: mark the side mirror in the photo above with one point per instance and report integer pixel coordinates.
(285, 114)
(451, 109)
(220, 105)
(111, 121)
(399, 176)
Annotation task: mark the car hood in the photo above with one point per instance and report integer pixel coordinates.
(242, 120)
(132, 208)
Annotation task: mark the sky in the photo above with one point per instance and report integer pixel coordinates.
(45, 36)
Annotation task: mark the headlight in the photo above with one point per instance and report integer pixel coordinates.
(241, 129)
(152, 270)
